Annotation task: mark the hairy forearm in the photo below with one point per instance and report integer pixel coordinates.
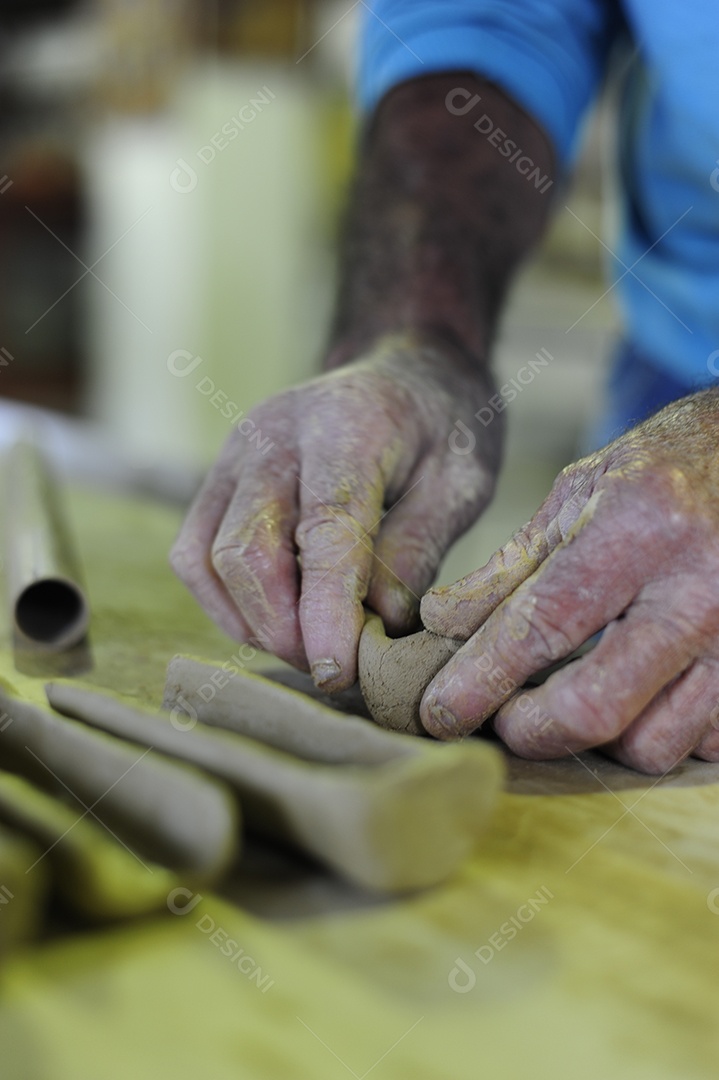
(440, 215)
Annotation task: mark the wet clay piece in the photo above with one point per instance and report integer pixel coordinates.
(394, 673)
(169, 814)
(387, 813)
(91, 870)
(274, 714)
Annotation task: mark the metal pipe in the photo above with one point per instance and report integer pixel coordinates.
(48, 605)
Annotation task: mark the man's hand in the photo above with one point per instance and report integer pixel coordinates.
(627, 540)
(362, 494)
(358, 500)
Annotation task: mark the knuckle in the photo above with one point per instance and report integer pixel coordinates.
(229, 562)
(524, 547)
(336, 547)
(241, 564)
(534, 624)
(663, 502)
(573, 480)
(345, 397)
(241, 555)
(595, 716)
(328, 529)
(668, 505)
(550, 641)
(688, 630)
(569, 474)
(517, 550)
(649, 754)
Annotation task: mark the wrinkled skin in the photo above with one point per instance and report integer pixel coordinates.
(628, 539)
(361, 494)
(361, 485)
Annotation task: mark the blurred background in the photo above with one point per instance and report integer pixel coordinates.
(171, 177)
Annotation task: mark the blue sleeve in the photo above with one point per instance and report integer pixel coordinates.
(548, 55)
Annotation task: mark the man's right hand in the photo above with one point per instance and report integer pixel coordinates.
(368, 481)
(357, 500)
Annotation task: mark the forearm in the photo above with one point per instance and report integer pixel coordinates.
(438, 218)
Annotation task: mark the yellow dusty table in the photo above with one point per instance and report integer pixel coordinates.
(582, 940)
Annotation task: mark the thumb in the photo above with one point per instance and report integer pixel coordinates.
(458, 610)
(437, 507)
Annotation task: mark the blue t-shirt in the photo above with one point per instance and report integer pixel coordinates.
(550, 56)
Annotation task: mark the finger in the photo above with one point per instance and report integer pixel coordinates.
(708, 746)
(457, 610)
(675, 724)
(595, 701)
(340, 509)
(191, 557)
(583, 585)
(441, 500)
(254, 553)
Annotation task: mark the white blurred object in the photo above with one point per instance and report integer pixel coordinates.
(214, 258)
(144, 250)
(80, 451)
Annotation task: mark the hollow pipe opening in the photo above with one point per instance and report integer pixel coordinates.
(51, 612)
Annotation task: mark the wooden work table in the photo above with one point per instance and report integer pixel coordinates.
(582, 940)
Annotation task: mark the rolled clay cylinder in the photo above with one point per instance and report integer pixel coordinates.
(395, 672)
(275, 714)
(404, 823)
(48, 605)
(94, 875)
(167, 813)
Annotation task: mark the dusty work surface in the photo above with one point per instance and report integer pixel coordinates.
(582, 940)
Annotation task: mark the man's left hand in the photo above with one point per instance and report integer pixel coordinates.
(627, 542)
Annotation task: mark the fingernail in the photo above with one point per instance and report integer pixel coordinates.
(437, 600)
(442, 723)
(325, 671)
